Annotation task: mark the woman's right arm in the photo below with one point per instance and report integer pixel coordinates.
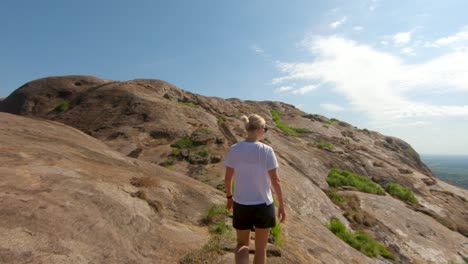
(228, 186)
(275, 182)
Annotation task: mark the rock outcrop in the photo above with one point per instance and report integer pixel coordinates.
(65, 193)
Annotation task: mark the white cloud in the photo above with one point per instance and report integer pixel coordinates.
(402, 38)
(457, 40)
(305, 89)
(332, 107)
(408, 51)
(379, 83)
(338, 23)
(257, 49)
(283, 89)
(358, 28)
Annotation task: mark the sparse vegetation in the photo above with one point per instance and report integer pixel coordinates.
(184, 143)
(359, 240)
(351, 207)
(403, 193)
(335, 197)
(337, 178)
(61, 107)
(325, 145)
(331, 121)
(220, 232)
(199, 156)
(186, 103)
(214, 212)
(288, 130)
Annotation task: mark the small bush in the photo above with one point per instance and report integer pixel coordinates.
(325, 145)
(61, 107)
(175, 152)
(337, 178)
(359, 240)
(185, 143)
(403, 193)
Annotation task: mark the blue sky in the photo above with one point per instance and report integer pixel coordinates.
(397, 67)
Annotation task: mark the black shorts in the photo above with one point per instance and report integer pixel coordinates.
(248, 216)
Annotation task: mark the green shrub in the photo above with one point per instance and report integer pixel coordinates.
(288, 130)
(359, 240)
(175, 152)
(184, 143)
(61, 107)
(405, 194)
(277, 235)
(325, 145)
(337, 178)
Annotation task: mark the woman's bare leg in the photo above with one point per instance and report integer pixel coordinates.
(242, 249)
(261, 240)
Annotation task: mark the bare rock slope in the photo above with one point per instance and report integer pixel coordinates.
(73, 193)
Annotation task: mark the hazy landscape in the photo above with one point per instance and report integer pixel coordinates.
(450, 168)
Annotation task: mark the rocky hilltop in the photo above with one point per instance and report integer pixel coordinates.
(102, 171)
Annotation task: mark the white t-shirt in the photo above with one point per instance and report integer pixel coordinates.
(251, 162)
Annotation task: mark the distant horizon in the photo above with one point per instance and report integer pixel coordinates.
(394, 67)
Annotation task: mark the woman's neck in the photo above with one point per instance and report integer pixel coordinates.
(251, 138)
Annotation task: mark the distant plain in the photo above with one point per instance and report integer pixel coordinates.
(450, 168)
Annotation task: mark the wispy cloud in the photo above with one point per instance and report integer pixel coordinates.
(305, 89)
(402, 38)
(257, 49)
(338, 23)
(332, 107)
(358, 28)
(283, 89)
(372, 5)
(379, 83)
(457, 40)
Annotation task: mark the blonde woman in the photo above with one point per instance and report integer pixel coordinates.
(253, 166)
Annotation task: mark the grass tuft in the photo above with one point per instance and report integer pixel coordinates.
(277, 234)
(359, 240)
(61, 107)
(325, 145)
(288, 130)
(403, 193)
(337, 178)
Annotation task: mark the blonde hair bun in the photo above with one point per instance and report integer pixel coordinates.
(253, 122)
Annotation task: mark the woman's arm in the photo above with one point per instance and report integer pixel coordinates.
(275, 182)
(228, 186)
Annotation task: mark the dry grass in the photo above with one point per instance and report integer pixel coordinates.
(146, 181)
